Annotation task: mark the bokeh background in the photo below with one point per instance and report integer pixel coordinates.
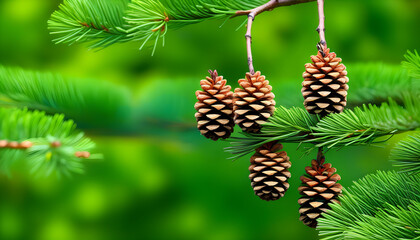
(164, 180)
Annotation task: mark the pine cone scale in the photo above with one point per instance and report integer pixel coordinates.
(325, 84)
(268, 177)
(254, 102)
(214, 108)
(319, 188)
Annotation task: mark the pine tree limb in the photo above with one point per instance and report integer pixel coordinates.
(270, 5)
(384, 205)
(105, 23)
(360, 126)
(47, 144)
(99, 22)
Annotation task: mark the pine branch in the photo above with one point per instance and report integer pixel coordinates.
(286, 125)
(406, 154)
(46, 143)
(364, 125)
(95, 21)
(412, 64)
(385, 205)
(106, 23)
(360, 126)
(88, 101)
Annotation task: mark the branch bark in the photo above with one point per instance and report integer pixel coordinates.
(270, 5)
(321, 26)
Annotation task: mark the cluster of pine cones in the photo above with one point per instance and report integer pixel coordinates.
(324, 90)
(219, 109)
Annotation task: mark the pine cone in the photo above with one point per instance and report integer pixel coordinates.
(325, 85)
(214, 107)
(269, 171)
(253, 104)
(319, 188)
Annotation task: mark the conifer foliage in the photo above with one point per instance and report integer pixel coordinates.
(381, 206)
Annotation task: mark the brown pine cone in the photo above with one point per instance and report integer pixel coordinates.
(319, 188)
(325, 84)
(269, 171)
(253, 103)
(214, 108)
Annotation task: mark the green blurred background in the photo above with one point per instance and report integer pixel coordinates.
(165, 181)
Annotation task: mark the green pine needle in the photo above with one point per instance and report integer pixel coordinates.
(406, 154)
(360, 126)
(103, 23)
(384, 205)
(99, 22)
(93, 103)
(42, 130)
(376, 82)
(412, 64)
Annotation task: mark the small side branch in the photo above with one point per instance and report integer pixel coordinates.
(320, 156)
(321, 26)
(270, 5)
(248, 38)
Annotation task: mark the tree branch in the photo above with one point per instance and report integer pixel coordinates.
(270, 5)
(321, 26)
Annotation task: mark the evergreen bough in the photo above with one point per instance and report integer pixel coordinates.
(384, 205)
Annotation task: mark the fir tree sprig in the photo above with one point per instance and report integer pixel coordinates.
(89, 102)
(106, 22)
(359, 126)
(412, 63)
(384, 205)
(95, 21)
(286, 125)
(406, 154)
(46, 143)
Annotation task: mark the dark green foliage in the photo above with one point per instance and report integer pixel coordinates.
(376, 82)
(385, 205)
(406, 154)
(88, 101)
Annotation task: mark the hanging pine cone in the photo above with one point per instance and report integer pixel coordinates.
(214, 107)
(269, 171)
(319, 188)
(253, 104)
(325, 85)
